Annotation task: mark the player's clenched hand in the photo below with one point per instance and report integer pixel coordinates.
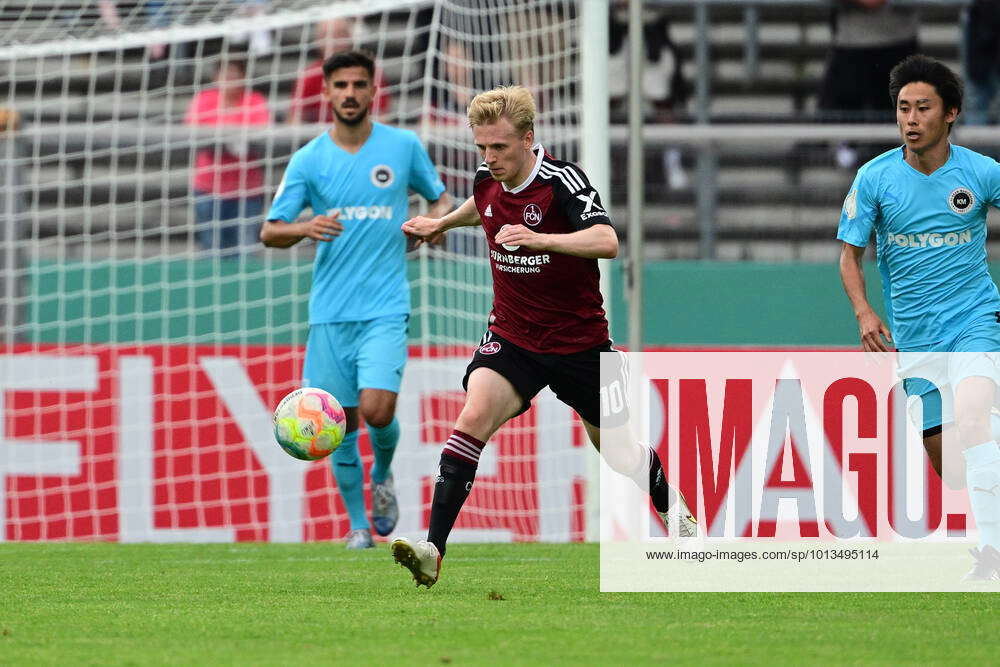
(520, 235)
(323, 228)
(872, 329)
(423, 229)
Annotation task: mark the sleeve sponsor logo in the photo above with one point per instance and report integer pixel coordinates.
(851, 204)
(591, 209)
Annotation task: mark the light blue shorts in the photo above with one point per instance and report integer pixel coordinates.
(933, 375)
(345, 357)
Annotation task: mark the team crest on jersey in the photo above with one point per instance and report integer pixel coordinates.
(490, 348)
(851, 204)
(961, 200)
(532, 214)
(382, 176)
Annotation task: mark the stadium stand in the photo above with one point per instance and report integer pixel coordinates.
(764, 211)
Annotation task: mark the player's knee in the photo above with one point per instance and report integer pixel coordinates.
(379, 418)
(377, 411)
(478, 418)
(973, 426)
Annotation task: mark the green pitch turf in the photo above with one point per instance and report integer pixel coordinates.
(512, 604)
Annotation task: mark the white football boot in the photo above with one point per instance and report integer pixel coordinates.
(679, 515)
(421, 559)
(985, 567)
(360, 539)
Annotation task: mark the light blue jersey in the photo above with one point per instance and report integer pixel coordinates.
(361, 274)
(931, 236)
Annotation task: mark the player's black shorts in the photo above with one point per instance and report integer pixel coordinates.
(574, 378)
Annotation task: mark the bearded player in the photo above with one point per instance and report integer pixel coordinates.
(546, 228)
(356, 178)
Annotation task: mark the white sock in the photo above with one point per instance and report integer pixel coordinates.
(641, 473)
(982, 467)
(995, 426)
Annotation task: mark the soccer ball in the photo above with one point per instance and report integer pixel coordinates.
(309, 423)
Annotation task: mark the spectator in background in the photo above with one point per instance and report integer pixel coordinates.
(868, 38)
(982, 62)
(260, 42)
(228, 182)
(664, 88)
(308, 104)
(454, 87)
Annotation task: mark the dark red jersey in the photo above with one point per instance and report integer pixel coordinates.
(544, 301)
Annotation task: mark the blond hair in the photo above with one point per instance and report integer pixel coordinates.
(514, 103)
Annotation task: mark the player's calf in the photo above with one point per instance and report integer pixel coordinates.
(669, 503)
(983, 483)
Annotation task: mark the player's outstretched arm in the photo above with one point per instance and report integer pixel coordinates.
(596, 242)
(427, 229)
(278, 234)
(870, 326)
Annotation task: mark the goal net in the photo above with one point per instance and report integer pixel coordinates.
(147, 335)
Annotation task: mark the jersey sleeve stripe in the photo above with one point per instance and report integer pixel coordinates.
(571, 179)
(546, 174)
(575, 176)
(571, 172)
(562, 176)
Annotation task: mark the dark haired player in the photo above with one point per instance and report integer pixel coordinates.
(545, 227)
(927, 203)
(356, 178)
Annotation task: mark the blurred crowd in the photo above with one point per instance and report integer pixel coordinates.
(868, 37)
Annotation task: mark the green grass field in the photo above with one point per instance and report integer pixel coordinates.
(506, 604)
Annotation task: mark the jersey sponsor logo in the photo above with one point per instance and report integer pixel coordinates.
(532, 214)
(489, 211)
(519, 263)
(490, 348)
(382, 176)
(961, 200)
(851, 204)
(931, 239)
(349, 213)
